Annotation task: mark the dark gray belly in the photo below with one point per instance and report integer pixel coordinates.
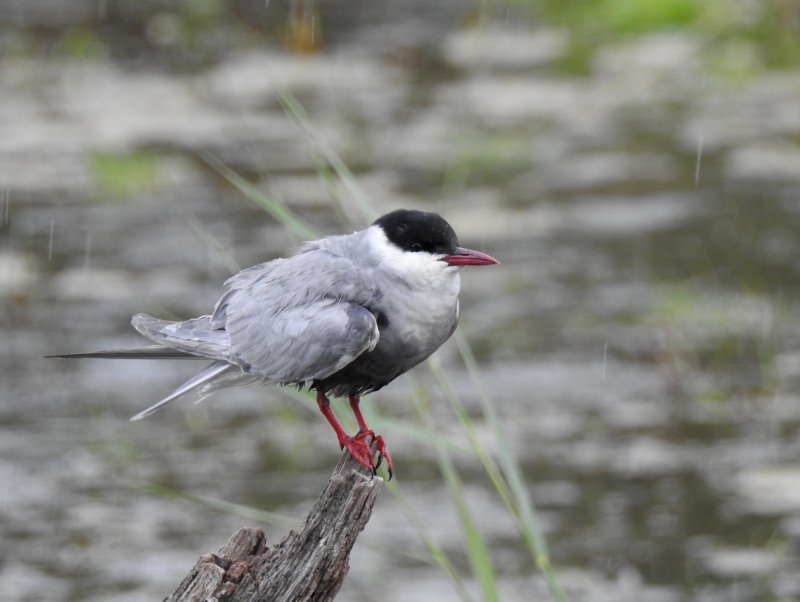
(377, 368)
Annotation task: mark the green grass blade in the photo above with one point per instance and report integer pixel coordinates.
(248, 512)
(531, 532)
(381, 424)
(271, 205)
(327, 176)
(489, 465)
(477, 551)
(436, 552)
(263, 516)
(224, 255)
(320, 146)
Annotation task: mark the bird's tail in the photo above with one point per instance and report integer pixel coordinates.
(151, 352)
(204, 382)
(200, 382)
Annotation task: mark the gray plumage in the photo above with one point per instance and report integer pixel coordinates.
(346, 315)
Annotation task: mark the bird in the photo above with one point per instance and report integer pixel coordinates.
(344, 316)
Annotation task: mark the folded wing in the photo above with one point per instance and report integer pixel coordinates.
(299, 344)
(298, 319)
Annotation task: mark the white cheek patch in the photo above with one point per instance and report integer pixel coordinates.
(418, 269)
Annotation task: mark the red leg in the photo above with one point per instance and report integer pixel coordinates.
(362, 425)
(355, 445)
(364, 432)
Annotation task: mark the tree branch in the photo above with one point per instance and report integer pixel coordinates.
(308, 565)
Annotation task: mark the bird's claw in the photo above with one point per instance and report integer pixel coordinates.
(382, 453)
(359, 449)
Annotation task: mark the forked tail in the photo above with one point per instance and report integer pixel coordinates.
(202, 378)
(151, 352)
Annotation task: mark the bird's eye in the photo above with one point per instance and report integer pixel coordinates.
(416, 247)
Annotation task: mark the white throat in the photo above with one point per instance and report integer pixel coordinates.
(419, 270)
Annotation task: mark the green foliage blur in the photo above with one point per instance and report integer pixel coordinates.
(742, 38)
(122, 176)
(82, 43)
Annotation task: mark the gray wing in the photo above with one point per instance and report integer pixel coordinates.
(299, 319)
(204, 379)
(288, 320)
(198, 336)
(301, 343)
(205, 336)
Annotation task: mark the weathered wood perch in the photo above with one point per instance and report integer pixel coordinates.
(308, 565)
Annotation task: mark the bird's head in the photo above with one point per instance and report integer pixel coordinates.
(420, 242)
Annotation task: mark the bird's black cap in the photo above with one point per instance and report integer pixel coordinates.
(419, 231)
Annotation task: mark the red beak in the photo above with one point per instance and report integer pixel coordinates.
(468, 257)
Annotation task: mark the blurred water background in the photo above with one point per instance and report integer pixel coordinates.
(634, 166)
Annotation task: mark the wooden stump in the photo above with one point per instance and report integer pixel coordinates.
(308, 565)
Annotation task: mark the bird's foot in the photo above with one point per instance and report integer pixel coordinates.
(357, 445)
(359, 449)
(381, 449)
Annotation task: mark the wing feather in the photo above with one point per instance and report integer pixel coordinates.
(288, 320)
(198, 381)
(196, 336)
(299, 319)
(303, 343)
